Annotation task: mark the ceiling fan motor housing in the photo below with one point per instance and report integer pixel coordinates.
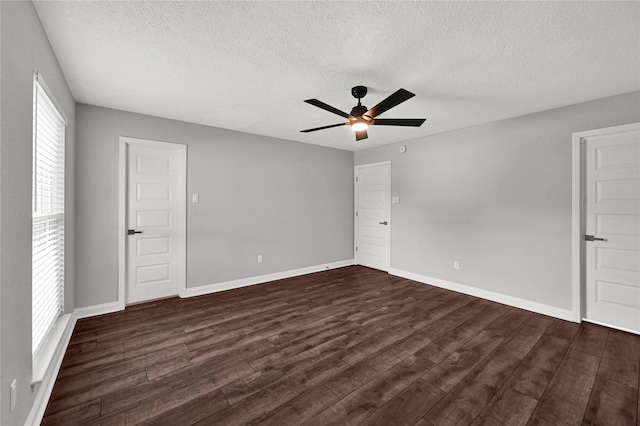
(359, 110)
(359, 92)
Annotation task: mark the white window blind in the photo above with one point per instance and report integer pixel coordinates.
(48, 217)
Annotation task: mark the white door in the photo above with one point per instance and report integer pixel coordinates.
(372, 216)
(155, 216)
(612, 228)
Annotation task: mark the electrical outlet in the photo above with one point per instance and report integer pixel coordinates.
(259, 258)
(456, 264)
(13, 395)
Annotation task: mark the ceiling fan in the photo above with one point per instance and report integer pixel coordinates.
(361, 117)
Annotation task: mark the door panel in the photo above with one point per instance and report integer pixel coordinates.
(153, 246)
(155, 187)
(612, 212)
(373, 216)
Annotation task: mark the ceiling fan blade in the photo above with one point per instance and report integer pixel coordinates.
(361, 134)
(329, 108)
(325, 127)
(411, 122)
(392, 100)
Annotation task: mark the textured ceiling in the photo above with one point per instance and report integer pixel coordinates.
(248, 66)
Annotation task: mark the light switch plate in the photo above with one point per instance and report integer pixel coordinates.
(395, 200)
(195, 198)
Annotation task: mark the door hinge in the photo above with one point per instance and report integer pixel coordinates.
(356, 248)
(356, 213)
(356, 178)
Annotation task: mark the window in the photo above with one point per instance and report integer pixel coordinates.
(48, 217)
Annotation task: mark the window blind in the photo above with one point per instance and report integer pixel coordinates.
(48, 217)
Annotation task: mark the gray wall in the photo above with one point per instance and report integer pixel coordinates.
(24, 48)
(290, 202)
(497, 198)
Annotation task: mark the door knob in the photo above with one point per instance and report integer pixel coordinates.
(383, 223)
(592, 238)
(133, 231)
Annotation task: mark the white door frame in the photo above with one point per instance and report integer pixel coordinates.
(355, 205)
(125, 142)
(578, 221)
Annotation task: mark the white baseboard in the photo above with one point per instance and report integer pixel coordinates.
(107, 308)
(627, 330)
(45, 385)
(528, 305)
(228, 285)
(92, 311)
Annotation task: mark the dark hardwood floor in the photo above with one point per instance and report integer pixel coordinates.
(347, 346)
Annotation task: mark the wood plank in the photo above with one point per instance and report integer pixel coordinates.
(521, 341)
(298, 346)
(465, 401)
(509, 321)
(508, 407)
(77, 415)
(121, 349)
(78, 380)
(153, 407)
(590, 339)
(310, 328)
(361, 403)
(206, 355)
(234, 317)
(444, 319)
(252, 408)
(190, 412)
(535, 372)
(134, 395)
(366, 348)
(541, 321)
(354, 377)
(407, 407)
(296, 384)
(260, 404)
(262, 379)
(563, 329)
(620, 358)
(611, 403)
(64, 401)
(567, 396)
(362, 372)
(456, 366)
(537, 421)
(451, 341)
(451, 303)
(299, 409)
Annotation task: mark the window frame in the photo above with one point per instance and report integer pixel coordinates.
(48, 210)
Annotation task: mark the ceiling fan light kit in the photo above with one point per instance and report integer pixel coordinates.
(359, 124)
(361, 118)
